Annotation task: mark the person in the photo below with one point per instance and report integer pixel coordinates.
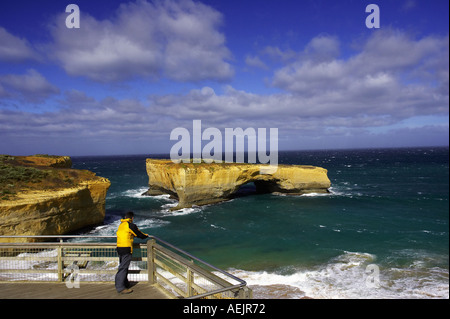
(125, 235)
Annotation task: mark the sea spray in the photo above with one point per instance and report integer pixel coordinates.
(345, 277)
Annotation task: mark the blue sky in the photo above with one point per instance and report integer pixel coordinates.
(135, 70)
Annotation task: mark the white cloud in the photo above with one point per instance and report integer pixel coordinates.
(309, 78)
(325, 98)
(14, 49)
(395, 51)
(255, 62)
(277, 54)
(322, 47)
(138, 126)
(393, 75)
(175, 39)
(31, 86)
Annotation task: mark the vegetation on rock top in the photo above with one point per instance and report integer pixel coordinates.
(28, 173)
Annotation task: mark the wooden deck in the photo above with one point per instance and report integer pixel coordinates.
(30, 290)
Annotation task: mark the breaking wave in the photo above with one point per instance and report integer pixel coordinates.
(349, 276)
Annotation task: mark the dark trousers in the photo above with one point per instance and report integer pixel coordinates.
(121, 280)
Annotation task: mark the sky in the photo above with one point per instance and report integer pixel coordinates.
(135, 70)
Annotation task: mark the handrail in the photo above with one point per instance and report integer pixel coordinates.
(150, 237)
(54, 236)
(241, 282)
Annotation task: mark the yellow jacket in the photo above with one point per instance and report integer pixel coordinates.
(126, 233)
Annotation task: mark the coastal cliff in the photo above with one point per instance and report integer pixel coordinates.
(43, 195)
(202, 184)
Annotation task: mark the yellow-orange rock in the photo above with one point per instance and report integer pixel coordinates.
(53, 206)
(202, 183)
(46, 161)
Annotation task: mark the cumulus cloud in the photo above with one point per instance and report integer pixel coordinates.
(322, 47)
(31, 86)
(276, 53)
(325, 98)
(143, 124)
(392, 74)
(395, 52)
(14, 49)
(255, 62)
(175, 39)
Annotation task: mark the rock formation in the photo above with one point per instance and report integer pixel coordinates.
(42, 195)
(201, 184)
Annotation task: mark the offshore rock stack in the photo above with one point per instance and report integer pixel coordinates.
(201, 183)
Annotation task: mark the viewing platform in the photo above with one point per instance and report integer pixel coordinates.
(30, 290)
(84, 267)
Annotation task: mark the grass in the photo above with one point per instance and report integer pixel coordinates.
(12, 176)
(10, 173)
(17, 174)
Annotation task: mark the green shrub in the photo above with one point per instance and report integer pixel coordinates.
(10, 174)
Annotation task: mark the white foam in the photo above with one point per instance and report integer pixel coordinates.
(343, 191)
(136, 193)
(343, 277)
(347, 277)
(332, 191)
(179, 212)
(151, 223)
(315, 194)
(218, 227)
(35, 263)
(164, 197)
(169, 205)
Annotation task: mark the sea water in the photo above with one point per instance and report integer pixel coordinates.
(385, 221)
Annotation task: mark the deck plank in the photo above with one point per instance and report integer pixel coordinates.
(27, 290)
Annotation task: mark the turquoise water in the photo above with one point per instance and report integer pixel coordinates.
(386, 207)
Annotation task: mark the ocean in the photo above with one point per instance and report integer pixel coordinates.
(381, 232)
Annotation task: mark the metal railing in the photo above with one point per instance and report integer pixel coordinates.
(158, 262)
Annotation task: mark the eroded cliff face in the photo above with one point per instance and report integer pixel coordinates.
(59, 200)
(201, 184)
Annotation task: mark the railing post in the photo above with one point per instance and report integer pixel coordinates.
(245, 293)
(158, 252)
(190, 281)
(60, 263)
(151, 267)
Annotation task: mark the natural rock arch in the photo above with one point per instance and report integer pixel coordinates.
(201, 183)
